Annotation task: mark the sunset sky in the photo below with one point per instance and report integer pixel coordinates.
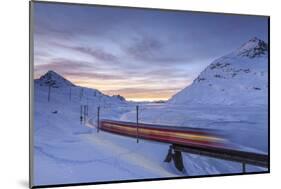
(139, 54)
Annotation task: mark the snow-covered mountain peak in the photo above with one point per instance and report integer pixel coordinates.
(119, 97)
(255, 47)
(66, 90)
(54, 79)
(237, 78)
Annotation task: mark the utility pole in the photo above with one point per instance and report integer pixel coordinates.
(81, 114)
(98, 118)
(84, 108)
(81, 93)
(137, 110)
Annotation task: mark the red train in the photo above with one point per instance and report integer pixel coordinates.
(168, 134)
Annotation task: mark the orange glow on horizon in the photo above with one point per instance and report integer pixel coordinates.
(130, 90)
(116, 89)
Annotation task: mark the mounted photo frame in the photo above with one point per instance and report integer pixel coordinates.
(126, 94)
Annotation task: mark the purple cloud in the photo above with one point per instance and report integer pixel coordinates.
(96, 53)
(152, 50)
(94, 75)
(99, 54)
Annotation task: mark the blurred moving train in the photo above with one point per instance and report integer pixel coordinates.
(187, 136)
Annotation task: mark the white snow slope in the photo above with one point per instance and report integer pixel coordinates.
(240, 77)
(66, 151)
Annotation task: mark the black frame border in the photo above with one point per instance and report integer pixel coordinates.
(31, 97)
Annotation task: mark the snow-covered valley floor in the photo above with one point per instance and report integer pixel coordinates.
(66, 151)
